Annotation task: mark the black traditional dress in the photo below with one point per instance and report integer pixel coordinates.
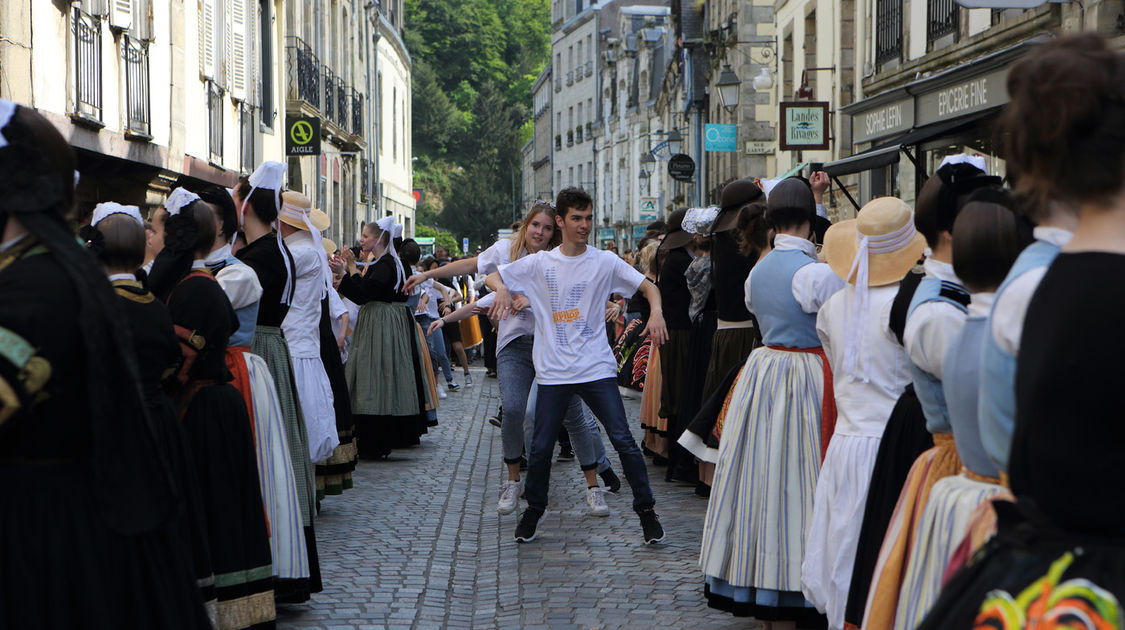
(268, 260)
(83, 538)
(384, 370)
(217, 424)
(335, 475)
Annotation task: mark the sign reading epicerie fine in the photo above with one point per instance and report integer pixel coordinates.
(966, 97)
(804, 125)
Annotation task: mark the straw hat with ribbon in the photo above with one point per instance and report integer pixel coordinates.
(329, 245)
(297, 211)
(108, 208)
(877, 247)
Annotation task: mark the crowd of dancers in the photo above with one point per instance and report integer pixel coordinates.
(907, 420)
(902, 420)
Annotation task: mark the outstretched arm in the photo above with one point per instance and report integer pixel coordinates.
(502, 306)
(456, 268)
(656, 329)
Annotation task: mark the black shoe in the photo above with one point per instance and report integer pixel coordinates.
(523, 464)
(566, 454)
(650, 523)
(452, 386)
(525, 530)
(612, 481)
(490, 374)
(498, 419)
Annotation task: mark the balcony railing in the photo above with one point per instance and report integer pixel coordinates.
(578, 72)
(138, 120)
(589, 68)
(357, 113)
(888, 31)
(942, 18)
(215, 121)
(570, 78)
(343, 103)
(329, 93)
(303, 72)
(87, 65)
(246, 137)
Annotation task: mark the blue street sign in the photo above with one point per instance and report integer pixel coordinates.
(720, 138)
(465, 245)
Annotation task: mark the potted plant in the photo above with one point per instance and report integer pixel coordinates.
(558, 140)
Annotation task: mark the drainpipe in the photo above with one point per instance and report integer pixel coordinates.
(378, 118)
(370, 180)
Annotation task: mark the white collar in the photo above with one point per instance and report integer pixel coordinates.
(198, 263)
(218, 255)
(1053, 235)
(981, 304)
(940, 270)
(12, 243)
(122, 276)
(299, 235)
(789, 242)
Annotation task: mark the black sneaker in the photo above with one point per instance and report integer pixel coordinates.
(566, 454)
(525, 530)
(650, 523)
(612, 481)
(498, 419)
(452, 386)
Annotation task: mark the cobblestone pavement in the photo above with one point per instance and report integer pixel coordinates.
(418, 544)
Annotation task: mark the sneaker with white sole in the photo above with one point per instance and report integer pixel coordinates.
(595, 500)
(468, 380)
(441, 392)
(509, 495)
(453, 387)
(525, 529)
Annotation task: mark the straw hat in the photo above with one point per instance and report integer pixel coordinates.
(329, 246)
(894, 245)
(295, 207)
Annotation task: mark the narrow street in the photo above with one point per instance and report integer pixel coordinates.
(418, 544)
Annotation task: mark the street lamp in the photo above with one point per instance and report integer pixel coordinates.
(728, 84)
(763, 81)
(675, 141)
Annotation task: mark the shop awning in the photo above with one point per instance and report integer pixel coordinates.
(865, 161)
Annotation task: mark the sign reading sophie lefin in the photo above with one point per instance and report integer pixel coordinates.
(804, 125)
(302, 135)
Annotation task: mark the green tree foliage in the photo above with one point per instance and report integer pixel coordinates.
(474, 64)
(441, 237)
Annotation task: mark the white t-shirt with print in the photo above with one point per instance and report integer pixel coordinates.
(516, 326)
(568, 295)
(490, 261)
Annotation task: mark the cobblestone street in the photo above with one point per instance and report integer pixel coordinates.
(418, 544)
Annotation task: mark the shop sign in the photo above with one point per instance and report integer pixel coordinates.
(302, 135)
(974, 94)
(607, 234)
(886, 120)
(804, 125)
(639, 232)
(720, 137)
(681, 167)
(649, 211)
(759, 147)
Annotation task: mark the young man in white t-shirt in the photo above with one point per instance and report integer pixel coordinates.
(568, 288)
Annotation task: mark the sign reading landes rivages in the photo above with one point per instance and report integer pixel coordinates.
(302, 135)
(804, 126)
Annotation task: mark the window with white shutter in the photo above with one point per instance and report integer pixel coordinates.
(240, 59)
(142, 19)
(121, 14)
(207, 38)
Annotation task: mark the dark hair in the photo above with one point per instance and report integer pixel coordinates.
(410, 252)
(123, 242)
(942, 196)
(1065, 124)
(790, 204)
(572, 198)
(427, 261)
(263, 201)
(990, 234)
(218, 197)
(752, 230)
(514, 226)
(203, 213)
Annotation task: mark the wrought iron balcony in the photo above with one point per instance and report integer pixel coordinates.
(329, 93)
(87, 64)
(942, 18)
(246, 138)
(888, 31)
(138, 120)
(303, 72)
(215, 121)
(343, 103)
(357, 113)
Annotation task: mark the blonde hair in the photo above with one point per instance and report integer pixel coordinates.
(519, 239)
(647, 255)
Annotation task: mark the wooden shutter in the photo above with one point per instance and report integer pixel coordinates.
(240, 57)
(207, 38)
(121, 14)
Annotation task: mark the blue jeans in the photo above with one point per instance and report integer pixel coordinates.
(605, 401)
(584, 436)
(516, 371)
(436, 342)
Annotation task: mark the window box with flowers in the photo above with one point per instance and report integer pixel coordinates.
(569, 138)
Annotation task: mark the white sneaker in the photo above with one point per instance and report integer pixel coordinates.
(441, 392)
(509, 494)
(595, 499)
